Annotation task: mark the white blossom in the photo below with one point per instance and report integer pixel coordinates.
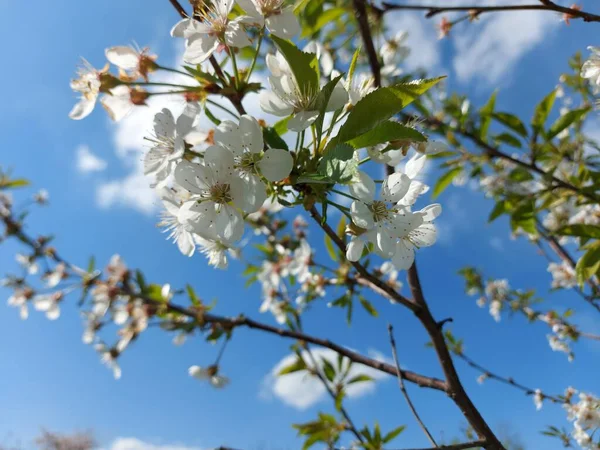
(87, 85)
(211, 374)
(279, 20)
(591, 68)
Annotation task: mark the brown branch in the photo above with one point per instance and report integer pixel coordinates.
(564, 255)
(14, 228)
(364, 277)
(456, 390)
(235, 99)
(506, 380)
(475, 11)
(494, 152)
(403, 388)
(365, 31)
(461, 446)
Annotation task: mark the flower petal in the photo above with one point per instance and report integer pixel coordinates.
(251, 134)
(235, 35)
(302, 120)
(193, 177)
(404, 256)
(229, 225)
(424, 236)
(272, 104)
(221, 162)
(227, 134)
(276, 164)
(284, 25)
(199, 48)
(363, 187)
(415, 165)
(82, 109)
(355, 248)
(395, 187)
(123, 57)
(361, 215)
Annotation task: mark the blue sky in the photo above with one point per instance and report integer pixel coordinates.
(50, 379)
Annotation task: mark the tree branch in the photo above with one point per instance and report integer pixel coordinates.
(456, 390)
(462, 446)
(476, 10)
(506, 380)
(403, 388)
(365, 31)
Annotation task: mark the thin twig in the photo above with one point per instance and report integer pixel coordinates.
(506, 380)
(403, 388)
(476, 10)
(461, 446)
(320, 376)
(365, 31)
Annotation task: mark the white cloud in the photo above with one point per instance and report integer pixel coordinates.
(129, 443)
(301, 391)
(88, 161)
(497, 244)
(490, 48)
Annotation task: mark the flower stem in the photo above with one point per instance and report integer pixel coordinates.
(227, 110)
(344, 194)
(151, 83)
(236, 73)
(168, 69)
(260, 39)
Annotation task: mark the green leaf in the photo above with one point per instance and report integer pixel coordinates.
(486, 115)
(321, 105)
(512, 122)
(589, 264)
(192, 295)
(444, 181)
(330, 248)
(386, 132)
(352, 67)
(509, 139)
(16, 183)
(304, 66)
(393, 434)
(581, 230)
(339, 398)
(141, 281)
(499, 209)
(565, 121)
(326, 17)
(524, 217)
(91, 265)
(520, 174)
(273, 139)
(338, 164)
(380, 105)
(328, 369)
(281, 127)
(368, 306)
(359, 379)
(296, 366)
(211, 116)
(542, 111)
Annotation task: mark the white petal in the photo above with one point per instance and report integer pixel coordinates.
(253, 192)
(53, 312)
(220, 161)
(186, 120)
(302, 120)
(363, 187)
(386, 244)
(229, 225)
(82, 109)
(395, 187)
(361, 215)
(228, 135)
(431, 212)
(185, 28)
(123, 57)
(251, 134)
(433, 147)
(404, 256)
(272, 104)
(192, 177)
(198, 372)
(284, 25)
(43, 302)
(424, 236)
(185, 243)
(118, 105)
(416, 188)
(24, 312)
(164, 124)
(355, 249)
(199, 48)
(339, 97)
(199, 216)
(277, 65)
(276, 164)
(235, 35)
(415, 165)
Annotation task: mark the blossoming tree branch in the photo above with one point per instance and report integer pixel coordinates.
(328, 74)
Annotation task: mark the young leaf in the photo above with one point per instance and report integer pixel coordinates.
(273, 139)
(565, 121)
(542, 111)
(304, 66)
(211, 116)
(353, 65)
(321, 104)
(393, 434)
(512, 122)
(486, 115)
(380, 105)
(444, 181)
(581, 230)
(338, 164)
(386, 132)
(589, 264)
(330, 248)
(328, 369)
(368, 306)
(296, 366)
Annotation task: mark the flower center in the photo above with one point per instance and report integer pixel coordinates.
(247, 162)
(220, 193)
(379, 210)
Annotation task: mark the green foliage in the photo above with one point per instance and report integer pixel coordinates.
(338, 164)
(304, 66)
(542, 111)
(321, 104)
(386, 132)
(589, 264)
(444, 181)
(565, 121)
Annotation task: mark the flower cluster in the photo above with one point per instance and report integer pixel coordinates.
(585, 415)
